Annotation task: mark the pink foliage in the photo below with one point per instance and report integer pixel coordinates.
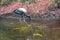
(39, 5)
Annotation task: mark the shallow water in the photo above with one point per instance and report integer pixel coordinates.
(13, 29)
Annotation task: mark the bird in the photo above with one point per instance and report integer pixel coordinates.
(22, 12)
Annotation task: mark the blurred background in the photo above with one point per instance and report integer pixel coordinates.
(40, 29)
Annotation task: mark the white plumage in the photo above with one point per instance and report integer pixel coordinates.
(23, 9)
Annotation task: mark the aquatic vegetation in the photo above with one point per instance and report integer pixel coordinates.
(46, 29)
(18, 30)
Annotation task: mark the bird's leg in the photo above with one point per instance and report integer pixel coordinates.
(21, 18)
(28, 20)
(24, 19)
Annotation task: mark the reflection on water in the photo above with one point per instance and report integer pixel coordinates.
(12, 29)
